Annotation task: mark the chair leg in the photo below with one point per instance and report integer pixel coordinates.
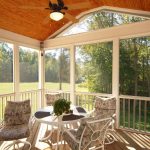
(10, 145)
(16, 143)
(103, 147)
(26, 142)
(109, 139)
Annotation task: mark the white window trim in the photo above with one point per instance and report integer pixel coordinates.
(138, 13)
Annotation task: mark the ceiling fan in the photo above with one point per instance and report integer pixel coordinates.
(58, 9)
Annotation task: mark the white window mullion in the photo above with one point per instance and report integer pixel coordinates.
(16, 72)
(115, 76)
(41, 77)
(72, 74)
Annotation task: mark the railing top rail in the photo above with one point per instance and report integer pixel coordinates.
(30, 91)
(94, 94)
(135, 97)
(9, 94)
(55, 91)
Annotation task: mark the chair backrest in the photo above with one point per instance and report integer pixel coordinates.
(17, 112)
(105, 106)
(92, 131)
(51, 98)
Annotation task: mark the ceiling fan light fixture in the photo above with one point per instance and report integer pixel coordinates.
(56, 15)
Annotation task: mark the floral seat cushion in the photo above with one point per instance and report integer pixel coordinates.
(14, 132)
(17, 113)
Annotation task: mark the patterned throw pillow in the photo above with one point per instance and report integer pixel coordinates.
(17, 112)
(105, 105)
(51, 98)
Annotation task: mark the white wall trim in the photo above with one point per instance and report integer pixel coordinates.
(101, 35)
(19, 39)
(139, 13)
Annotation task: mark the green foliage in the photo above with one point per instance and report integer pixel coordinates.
(6, 62)
(96, 63)
(28, 60)
(57, 66)
(61, 106)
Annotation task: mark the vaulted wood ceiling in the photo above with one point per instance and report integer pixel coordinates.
(35, 23)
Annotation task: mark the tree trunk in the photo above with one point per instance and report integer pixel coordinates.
(135, 68)
(60, 70)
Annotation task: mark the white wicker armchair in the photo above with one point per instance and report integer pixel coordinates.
(91, 134)
(95, 130)
(16, 124)
(107, 108)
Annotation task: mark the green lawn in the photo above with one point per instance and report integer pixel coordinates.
(8, 87)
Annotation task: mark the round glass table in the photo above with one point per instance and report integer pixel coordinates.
(47, 116)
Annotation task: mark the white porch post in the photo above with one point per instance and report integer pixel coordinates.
(41, 76)
(16, 74)
(115, 76)
(72, 74)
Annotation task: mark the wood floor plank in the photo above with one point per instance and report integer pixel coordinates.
(123, 140)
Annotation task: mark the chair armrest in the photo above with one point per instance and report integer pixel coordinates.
(90, 113)
(31, 121)
(99, 120)
(2, 124)
(67, 131)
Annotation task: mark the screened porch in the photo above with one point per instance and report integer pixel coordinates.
(85, 60)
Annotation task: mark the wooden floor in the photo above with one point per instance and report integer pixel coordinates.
(123, 140)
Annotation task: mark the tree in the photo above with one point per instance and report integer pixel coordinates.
(57, 66)
(134, 58)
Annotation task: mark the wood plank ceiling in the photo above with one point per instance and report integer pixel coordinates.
(35, 23)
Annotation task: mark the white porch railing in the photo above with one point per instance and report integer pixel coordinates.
(135, 113)
(86, 100)
(134, 110)
(33, 95)
(3, 99)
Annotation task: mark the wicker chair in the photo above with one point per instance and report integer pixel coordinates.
(95, 130)
(107, 108)
(91, 134)
(16, 123)
(51, 98)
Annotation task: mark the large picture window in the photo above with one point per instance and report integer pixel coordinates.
(99, 20)
(6, 68)
(57, 69)
(28, 59)
(135, 81)
(94, 68)
(135, 66)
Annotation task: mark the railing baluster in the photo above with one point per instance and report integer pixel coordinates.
(123, 112)
(139, 115)
(128, 113)
(88, 102)
(134, 105)
(31, 99)
(84, 101)
(36, 99)
(2, 108)
(145, 115)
